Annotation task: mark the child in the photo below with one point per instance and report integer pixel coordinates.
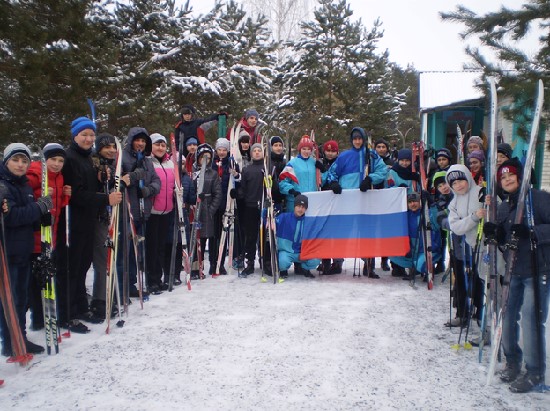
(210, 198)
(476, 164)
(54, 155)
(465, 213)
(522, 302)
(251, 192)
(415, 259)
(401, 174)
(189, 126)
(18, 224)
(289, 239)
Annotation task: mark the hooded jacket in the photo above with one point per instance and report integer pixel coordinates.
(462, 208)
(349, 168)
(130, 163)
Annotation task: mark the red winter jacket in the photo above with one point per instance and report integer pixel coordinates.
(55, 181)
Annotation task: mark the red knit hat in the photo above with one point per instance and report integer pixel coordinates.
(305, 142)
(330, 145)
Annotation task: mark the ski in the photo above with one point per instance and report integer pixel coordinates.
(19, 349)
(512, 246)
(112, 247)
(47, 272)
(195, 232)
(489, 307)
(427, 226)
(179, 220)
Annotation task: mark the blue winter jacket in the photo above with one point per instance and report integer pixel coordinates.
(289, 232)
(306, 173)
(23, 212)
(349, 167)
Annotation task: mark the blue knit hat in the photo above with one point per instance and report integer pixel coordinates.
(191, 140)
(81, 123)
(251, 112)
(404, 154)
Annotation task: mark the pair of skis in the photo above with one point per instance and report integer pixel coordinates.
(513, 243)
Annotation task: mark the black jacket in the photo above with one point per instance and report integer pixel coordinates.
(251, 188)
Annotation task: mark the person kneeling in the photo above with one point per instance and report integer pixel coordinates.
(289, 238)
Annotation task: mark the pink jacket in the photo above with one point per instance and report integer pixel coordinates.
(163, 202)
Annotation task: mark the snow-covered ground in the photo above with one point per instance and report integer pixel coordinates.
(330, 343)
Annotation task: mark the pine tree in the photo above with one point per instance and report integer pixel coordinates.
(517, 71)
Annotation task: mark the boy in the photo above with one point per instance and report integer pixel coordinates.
(18, 225)
(289, 239)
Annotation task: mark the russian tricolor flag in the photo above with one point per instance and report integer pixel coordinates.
(355, 224)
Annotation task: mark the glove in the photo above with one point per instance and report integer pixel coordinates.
(293, 192)
(441, 216)
(202, 196)
(144, 192)
(233, 193)
(335, 187)
(365, 184)
(319, 164)
(138, 174)
(45, 203)
(46, 220)
(490, 230)
(520, 230)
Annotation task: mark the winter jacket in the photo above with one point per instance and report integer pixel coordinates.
(289, 232)
(306, 178)
(388, 161)
(55, 181)
(86, 196)
(130, 163)
(163, 202)
(506, 215)
(251, 188)
(349, 168)
(188, 129)
(324, 176)
(101, 164)
(278, 162)
(400, 176)
(22, 214)
(221, 167)
(213, 194)
(462, 208)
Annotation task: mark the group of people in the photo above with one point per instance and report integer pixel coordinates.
(81, 196)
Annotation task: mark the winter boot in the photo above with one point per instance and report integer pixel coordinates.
(249, 268)
(33, 348)
(283, 274)
(385, 265)
(336, 267)
(308, 274)
(324, 267)
(398, 271)
(510, 373)
(439, 267)
(525, 383)
(298, 270)
(368, 269)
(223, 271)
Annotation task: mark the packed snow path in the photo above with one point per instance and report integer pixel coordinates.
(331, 343)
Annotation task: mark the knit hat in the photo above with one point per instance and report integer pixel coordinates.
(188, 109)
(251, 112)
(244, 136)
(191, 140)
(456, 175)
(222, 143)
(103, 140)
(505, 149)
(444, 152)
(512, 166)
(156, 137)
(330, 145)
(53, 150)
(476, 140)
(477, 154)
(204, 148)
(305, 142)
(14, 149)
(413, 197)
(256, 145)
(81, 123)
(301, 200)
(438, 178)
(276, 139)
(382, 141)
(404, 154)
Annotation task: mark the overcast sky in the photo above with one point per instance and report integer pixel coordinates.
(413, 31)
